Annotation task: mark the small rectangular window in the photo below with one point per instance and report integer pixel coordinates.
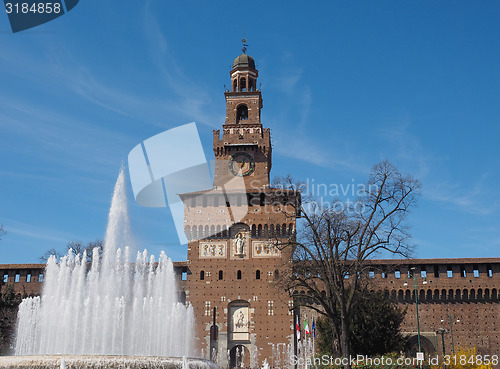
(410, 272)
(346, 276)
(490, 271)
(449, 271)
(28, 278)
(463, 273)
(436, 271)
(371, 274)
(476, 271)
(18, 276)
(40, 277)
(397, 274)
(5, 278)
(184, 276)
(384, 275)
(423, 273)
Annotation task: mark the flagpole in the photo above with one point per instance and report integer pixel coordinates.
(314, 335)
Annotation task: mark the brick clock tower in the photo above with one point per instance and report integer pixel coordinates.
(234, 232)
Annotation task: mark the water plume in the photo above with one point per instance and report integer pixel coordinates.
(108, 307)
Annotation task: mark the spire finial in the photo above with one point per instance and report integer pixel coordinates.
(244, 42)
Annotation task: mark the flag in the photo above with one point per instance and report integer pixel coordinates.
(306, 327)
(314, 328)
(297, 328)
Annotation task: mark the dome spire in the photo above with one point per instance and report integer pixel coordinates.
(244, 42)
(244, 48)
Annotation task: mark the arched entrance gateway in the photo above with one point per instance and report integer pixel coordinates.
(239, 357)
(239, 334)
(427, 344)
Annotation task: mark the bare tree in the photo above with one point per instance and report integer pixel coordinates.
(43, 258)
(77, 248)
(80, 248)
(331, 248)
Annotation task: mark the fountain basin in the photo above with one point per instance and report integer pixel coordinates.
(103, 362)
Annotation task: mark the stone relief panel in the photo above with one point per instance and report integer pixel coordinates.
(265, 249)
(213, 250)
(240, 323)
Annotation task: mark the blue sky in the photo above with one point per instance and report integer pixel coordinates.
(345, 85)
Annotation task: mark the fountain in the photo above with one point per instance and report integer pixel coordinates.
(111, 307)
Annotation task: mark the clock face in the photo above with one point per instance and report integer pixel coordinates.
(241, 164)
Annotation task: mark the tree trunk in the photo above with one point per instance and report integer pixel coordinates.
(335, 339)
(344, 337)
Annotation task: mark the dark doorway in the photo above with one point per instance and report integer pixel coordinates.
(239, 357)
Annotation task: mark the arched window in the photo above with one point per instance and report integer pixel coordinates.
(257, 274)
(221, 275)
(241, 113)
(243, 84)
(235, 85)
(408, 295)
(251, 84)
(238, 274)
(202, 275)
(182, 297)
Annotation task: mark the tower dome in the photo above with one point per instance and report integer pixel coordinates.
(244, 61)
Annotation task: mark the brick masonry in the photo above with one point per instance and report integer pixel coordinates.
(231, 265)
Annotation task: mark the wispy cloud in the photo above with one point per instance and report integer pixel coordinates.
(407, 147)
(431, 166)
(58, 138)
(473, 201)
(193, 97)
(312, 150)
(36, 232)
(288, 79)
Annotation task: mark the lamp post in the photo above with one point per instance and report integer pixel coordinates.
(450, 320)
(442, 331)
(416, 306)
